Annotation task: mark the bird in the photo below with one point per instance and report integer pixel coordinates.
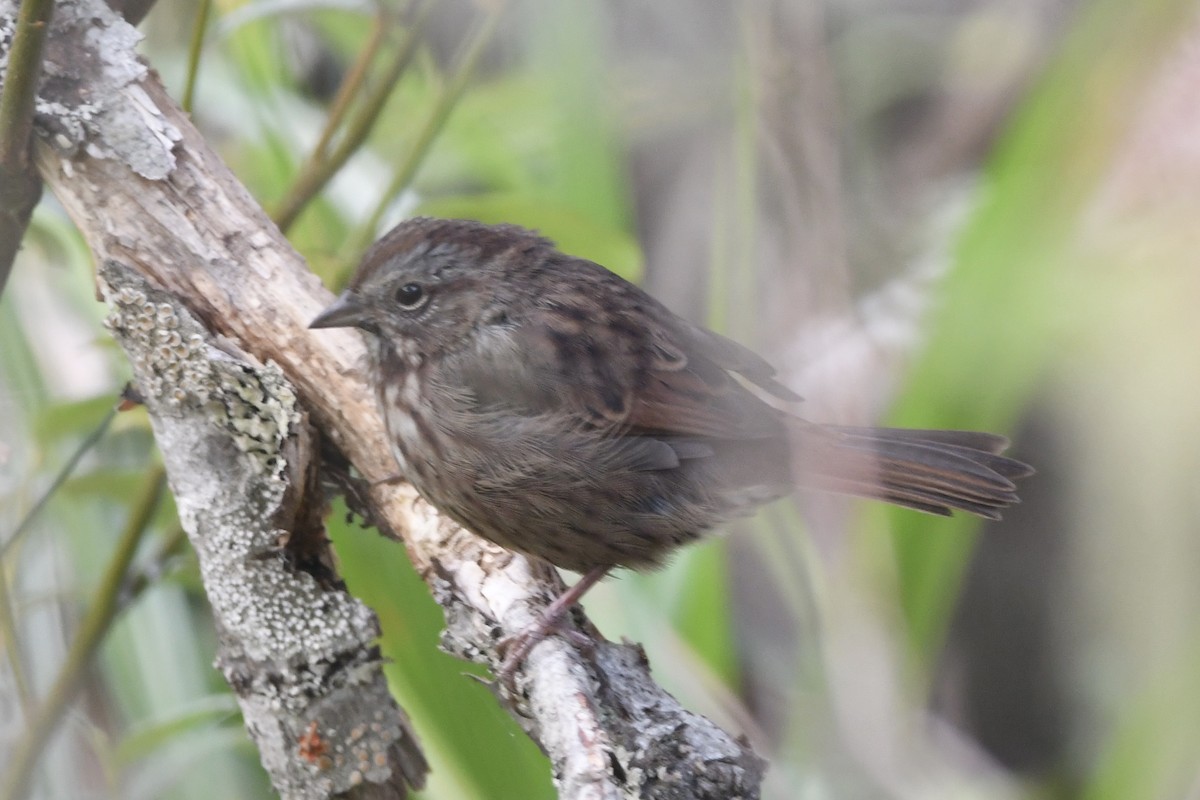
(547, 404)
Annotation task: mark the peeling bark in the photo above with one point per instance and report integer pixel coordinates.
(195, 235)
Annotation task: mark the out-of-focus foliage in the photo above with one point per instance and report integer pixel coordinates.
(1000, 194)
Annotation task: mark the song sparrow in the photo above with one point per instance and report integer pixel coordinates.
(558, 410)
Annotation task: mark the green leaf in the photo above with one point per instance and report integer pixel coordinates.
(475, 748)
(1001, 311)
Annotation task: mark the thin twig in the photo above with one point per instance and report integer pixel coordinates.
(351, 84)
(319, 169)
(199, 29)
(102, 610)
(20, 186)
(63, 474)
(10, 637)
(148, 573)
(473, 49)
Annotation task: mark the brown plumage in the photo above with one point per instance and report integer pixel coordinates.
(549, 405)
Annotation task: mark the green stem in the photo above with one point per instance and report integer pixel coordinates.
(319, 168)
(20, 83)
(12, 645)
(437, 119)
(356, 76)
(199, 29)
(20, 186)
(102, 610)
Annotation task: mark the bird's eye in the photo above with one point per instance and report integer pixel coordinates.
(410, 296)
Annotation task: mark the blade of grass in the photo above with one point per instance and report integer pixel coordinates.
(63, 474)
(102, 610)
(12, 644)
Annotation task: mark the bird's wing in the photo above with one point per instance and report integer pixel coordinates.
(628, 364)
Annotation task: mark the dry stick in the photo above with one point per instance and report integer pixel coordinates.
(101, 611)
(321, 168)
(188, 226)
(20, 187)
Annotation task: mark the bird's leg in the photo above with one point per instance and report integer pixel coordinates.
(516, 647)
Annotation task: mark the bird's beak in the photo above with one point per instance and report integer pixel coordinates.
(345, 312)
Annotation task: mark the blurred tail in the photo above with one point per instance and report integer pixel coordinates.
(931, 471)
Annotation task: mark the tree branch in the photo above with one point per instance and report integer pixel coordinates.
(195, 234)
(297, 649)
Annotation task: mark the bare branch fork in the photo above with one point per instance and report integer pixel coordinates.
(211, 303)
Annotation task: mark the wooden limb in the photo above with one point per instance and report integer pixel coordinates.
(297, 649)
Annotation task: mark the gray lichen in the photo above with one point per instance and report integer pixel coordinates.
(299, 655)
(90, 56)
(170, 369)
(234, 418)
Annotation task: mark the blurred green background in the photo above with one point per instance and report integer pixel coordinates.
(941, 214)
